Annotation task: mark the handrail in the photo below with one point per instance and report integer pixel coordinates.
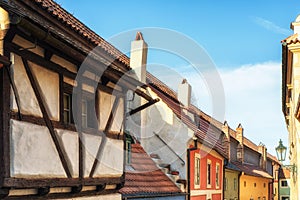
(182, 161)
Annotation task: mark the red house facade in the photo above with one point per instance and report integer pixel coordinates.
(206, 174)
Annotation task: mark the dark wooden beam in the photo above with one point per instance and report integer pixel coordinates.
(28, 55)
(103, 141)
(4, 123)
(58, 182)
(46, 117)
(142, 107)
(58, 125)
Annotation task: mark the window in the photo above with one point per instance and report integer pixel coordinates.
(128, 143)
(197, 171)
(254, 184)
(285, 198)
(209, 173)
(84, 113)
(245, 184)
(67, 100)
(217, 175)
(284, 183)
(235, 184)
(265, 185)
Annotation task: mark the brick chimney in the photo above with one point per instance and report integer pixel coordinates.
(240, 139)
(263, 156)
(184, 93)
(226, 138)
(138, 57)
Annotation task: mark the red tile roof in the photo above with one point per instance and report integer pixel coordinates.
(293, 39)
(143, 177)
(69, 21)
(252, 170)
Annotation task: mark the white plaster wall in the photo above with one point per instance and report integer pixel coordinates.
(33, 153)
(106, 103)
(69, 142)
(160, 119)
(100, 197)
(111, 161)
(28, 101)
(118, 117)
(64, 63)
(28, 45)
(48, 82)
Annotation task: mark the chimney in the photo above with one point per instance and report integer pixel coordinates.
(138, 57)
(263, 156)
(240, 139)
(226, 138)
(184, 93)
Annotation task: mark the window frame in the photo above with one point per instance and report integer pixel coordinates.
(284, 180)
(197, 173)
(209, 173)
(218, 175)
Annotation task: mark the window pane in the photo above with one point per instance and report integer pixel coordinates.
(209, 173)
(66, 101)
(66, 116)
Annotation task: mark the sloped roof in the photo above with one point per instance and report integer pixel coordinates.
(284, 173)
(69, 21)
(293, 39)
(252, 170)
(208, 134)
(143, 177)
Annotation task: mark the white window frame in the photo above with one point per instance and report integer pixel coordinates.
(218, 175)
(197, 171)
(281, 180)
(208, 176)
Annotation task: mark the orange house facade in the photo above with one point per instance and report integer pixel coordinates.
(206, 174)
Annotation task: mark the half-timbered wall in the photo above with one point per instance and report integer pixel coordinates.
(36, 159)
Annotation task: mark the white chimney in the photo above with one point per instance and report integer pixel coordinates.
(138, 57)
(296, 25)
(184, 93)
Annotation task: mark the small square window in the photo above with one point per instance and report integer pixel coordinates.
(284, 183)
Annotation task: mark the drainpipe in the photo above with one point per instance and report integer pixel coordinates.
(188, 167)
(239, 181)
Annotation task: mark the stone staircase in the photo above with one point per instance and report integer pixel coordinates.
(172, 174)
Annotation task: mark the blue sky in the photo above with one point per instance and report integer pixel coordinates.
(241, 37)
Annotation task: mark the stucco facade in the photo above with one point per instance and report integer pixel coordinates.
(254, 187)
(290, 100)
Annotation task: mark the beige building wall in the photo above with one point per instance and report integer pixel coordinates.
(293, 125)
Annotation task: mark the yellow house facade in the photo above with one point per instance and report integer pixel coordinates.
(254, 188)
(291, 100)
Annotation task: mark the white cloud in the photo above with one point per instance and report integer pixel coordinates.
(271, 26)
